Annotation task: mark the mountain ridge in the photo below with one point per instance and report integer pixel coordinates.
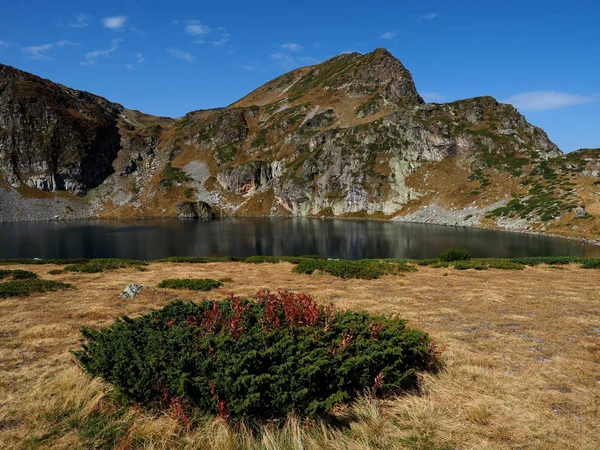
(349, 137)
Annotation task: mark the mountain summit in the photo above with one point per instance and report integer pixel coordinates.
(377, 77)
(350, 137)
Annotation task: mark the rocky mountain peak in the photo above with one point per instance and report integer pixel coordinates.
(377, 77)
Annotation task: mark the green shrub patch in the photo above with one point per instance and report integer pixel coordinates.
(505, 264)
(471, 264)
(264, 259)
(17, 275)
(191, 284)
(256, 360)
(105, 264)
(200, 259)
(591, 263)
(552, 260)
(455, 254)
(24, 287)
(38, 261)
(260, 259)
(56, 272)
(367, 269)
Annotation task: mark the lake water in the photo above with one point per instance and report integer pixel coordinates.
(348, 239)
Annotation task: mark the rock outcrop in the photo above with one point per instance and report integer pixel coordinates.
(53, 138)
(195, 210)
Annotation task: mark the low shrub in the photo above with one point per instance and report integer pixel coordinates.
(256, 360)
(106, 264)
(38, 261)
(472, 264)
(551, 260)
(424, 262)
(191, 284)
(455, 254)
(259, 259)
(200, 259)
(264, 259)
(505, 264)
(591, 263)
(55, 272)
(24, 287)
(367, 269)
(17, 274)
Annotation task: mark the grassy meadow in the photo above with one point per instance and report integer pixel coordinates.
(520, 341)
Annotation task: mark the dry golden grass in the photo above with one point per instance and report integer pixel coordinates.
(522, 360)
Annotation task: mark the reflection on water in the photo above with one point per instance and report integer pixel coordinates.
(349, 239)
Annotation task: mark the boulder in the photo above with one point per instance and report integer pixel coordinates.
(580, 212)
(131, 291)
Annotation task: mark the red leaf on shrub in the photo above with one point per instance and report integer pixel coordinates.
(235, 324)
(223, 414)
(212, 319)
(378, 384)
(347, 339)
(375, 330)
(177, 410)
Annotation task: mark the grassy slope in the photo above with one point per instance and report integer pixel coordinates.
(521, 362)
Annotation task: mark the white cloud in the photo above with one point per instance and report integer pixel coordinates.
(5, 44)
(81, 21)
(41, 52)
(433, 97)
(546, 100)
(115, 22)
(224, 39)
(308, 60)
(139, 58)
(288, 61)
(284, 59)
(389, 35)
(180, 54)
(291, 47)
(429, 16)
(38, 51)
(195, 28)
(91, 57)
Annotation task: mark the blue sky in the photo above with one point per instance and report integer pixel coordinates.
(169, 58)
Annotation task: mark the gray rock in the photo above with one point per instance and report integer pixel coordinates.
(246, 178)
(580, 212)
(131, 291)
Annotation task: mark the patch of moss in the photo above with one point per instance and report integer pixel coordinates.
(171, 175)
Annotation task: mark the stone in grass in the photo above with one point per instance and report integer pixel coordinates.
(580, 212)
(131, 291)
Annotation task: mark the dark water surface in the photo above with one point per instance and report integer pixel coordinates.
(348, 239)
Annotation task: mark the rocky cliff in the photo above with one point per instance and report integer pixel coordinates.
(349, 137)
